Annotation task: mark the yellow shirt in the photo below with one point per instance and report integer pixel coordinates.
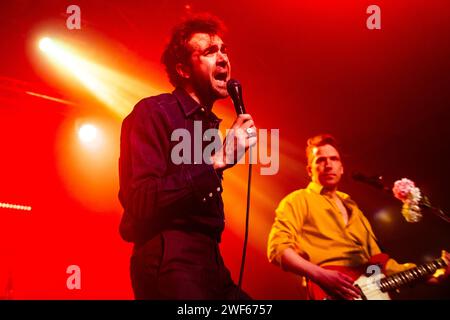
(311, 223)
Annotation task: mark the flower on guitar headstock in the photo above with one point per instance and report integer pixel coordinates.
(406, 191)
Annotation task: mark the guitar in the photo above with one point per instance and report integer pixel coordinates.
(373, 284)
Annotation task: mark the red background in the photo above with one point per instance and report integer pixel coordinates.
(306, 67)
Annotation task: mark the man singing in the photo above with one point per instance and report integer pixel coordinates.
(173, 212)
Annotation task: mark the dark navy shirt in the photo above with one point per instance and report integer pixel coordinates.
(157, 194)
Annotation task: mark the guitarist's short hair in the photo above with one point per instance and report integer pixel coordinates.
(318, 141)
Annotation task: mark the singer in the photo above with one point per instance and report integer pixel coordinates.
(320, 234)
(174, 213)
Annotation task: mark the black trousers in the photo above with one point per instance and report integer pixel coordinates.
(178, 265)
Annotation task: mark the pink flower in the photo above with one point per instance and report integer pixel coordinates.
(402, 189)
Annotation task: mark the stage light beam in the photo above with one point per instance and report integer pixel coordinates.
(115, 90)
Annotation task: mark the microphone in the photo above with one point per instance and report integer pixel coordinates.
(374, 181)
(404, 190)
(234, 89)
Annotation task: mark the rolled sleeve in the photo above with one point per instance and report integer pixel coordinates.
(285, 229)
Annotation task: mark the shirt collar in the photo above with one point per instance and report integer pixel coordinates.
(317, 188)
(190, 106)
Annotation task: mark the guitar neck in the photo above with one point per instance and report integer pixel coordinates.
(411, 275)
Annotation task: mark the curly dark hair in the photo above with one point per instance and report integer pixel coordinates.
(318, 141)
(178, 51)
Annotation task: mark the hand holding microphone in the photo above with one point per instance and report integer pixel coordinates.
(242, 134)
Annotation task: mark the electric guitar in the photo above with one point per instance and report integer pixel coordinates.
(373, 284)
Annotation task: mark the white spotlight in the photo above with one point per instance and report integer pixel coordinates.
(88, 133)
(45, 44)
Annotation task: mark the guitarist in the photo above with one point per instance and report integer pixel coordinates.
(320, 233)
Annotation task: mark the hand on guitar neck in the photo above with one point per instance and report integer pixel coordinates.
(441, 275)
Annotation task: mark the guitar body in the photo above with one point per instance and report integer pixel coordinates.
(370, 288)
(366, 278)
(372, 282)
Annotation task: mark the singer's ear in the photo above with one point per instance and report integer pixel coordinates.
(309, 170)
(183, 70)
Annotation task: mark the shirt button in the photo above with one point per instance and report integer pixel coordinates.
(204, 200)
(202, 109)
(218, 189)
(210, 195)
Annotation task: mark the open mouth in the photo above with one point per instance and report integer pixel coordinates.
(221, 77)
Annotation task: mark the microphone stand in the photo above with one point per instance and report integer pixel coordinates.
(424, 203)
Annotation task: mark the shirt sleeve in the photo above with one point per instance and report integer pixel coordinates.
(286, 228)
(393, 267)
(147, 193)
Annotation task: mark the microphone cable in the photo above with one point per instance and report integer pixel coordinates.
(234, 89)
(247, 218)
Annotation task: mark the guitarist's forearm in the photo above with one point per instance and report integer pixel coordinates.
(291, 261)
